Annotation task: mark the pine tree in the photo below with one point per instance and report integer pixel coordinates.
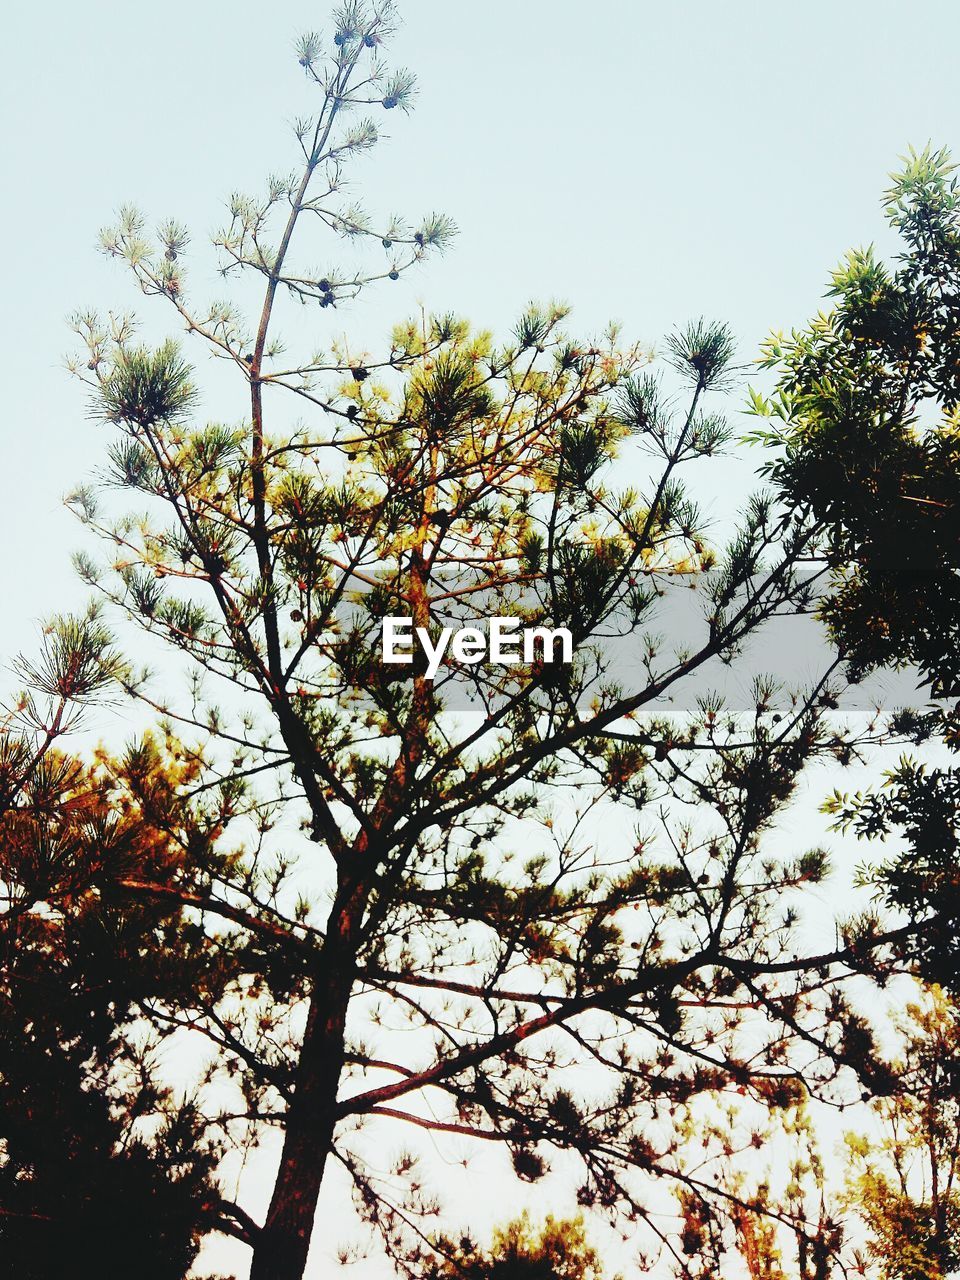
(466, 862)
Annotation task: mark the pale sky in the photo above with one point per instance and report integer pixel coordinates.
(650, 162)
(647, 162)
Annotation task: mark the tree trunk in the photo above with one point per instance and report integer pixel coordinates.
(283, 1244)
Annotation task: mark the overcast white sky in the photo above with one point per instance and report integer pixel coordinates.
(645, 161)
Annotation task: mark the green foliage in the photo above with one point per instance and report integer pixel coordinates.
(703, 352)
(904, 1187)
(922, 880)
(146, 387)
(867, 436)
(557, 1250)
(864, 420)
(77, 661)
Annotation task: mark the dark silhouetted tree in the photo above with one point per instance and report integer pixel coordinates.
(865, 424)
(100, 1163)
